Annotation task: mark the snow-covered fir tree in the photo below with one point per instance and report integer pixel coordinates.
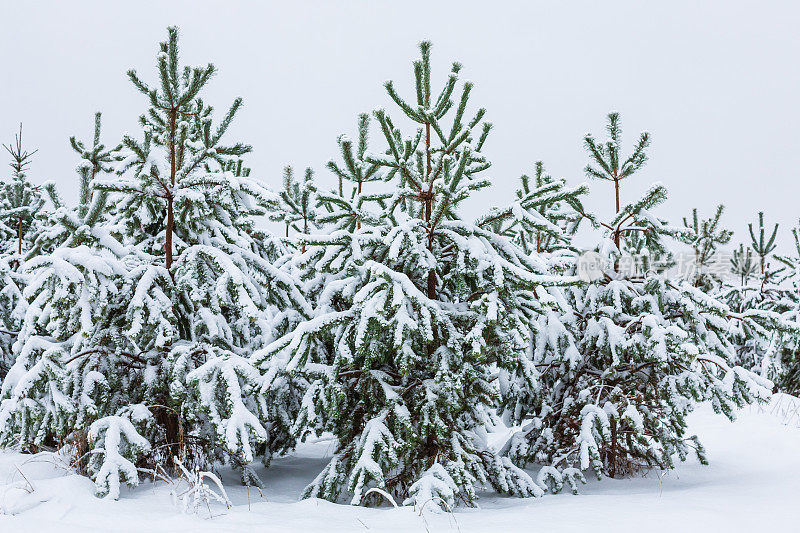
(20, 204)
(96, 159)
(414, 308)
(141, 319)
(621, 361)
(62, 224)
(296, 206)
(349, 211)
(758, 300)
(206, 292)
(20, 201)
(12, 309)
(60, 379)
(705, 236)
(759, 326)
(544, 216)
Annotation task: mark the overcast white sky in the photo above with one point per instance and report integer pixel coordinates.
(716, 83)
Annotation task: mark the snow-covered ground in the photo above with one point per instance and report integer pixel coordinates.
(752, 484)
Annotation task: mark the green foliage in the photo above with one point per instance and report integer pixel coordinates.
(95, 159)
(606, 161)
(762, 245)
(763, 325)
(742, 264)
(787, 355)
(192, 185)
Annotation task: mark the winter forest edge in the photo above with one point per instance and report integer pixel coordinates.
(158, 329)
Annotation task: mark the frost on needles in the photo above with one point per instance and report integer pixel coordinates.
(157, 324)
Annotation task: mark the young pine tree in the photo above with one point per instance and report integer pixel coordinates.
(141, 318)
(414, 310)
(203, 291)
(349, 210)
(623, 360)
(21, 200)
(12, 309)
(20, 205)
(296, 207)
(95, 160)
(757, 302)
(705, 236)
(63, 375)
(543, 218)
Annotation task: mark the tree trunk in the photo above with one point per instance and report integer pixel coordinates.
(173, 115)
(616, 195)
(428, 208)
(170, 226)
(305, 227)
(91, 179)
(358, 223)
(19, 236)
(427, 149)
(612, 466)
(432, 284)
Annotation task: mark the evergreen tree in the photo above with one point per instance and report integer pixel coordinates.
(705, 237)
(763, 246)
(622, 360)
(742, 265)
(204, 291)
(168, 169)
(350, 211)
(141, 317)
(757, 302)
(296, 208)
(63, 376)
(94, 160)
(70, 226)
(414, 308)
(606, 164)
(21, 200)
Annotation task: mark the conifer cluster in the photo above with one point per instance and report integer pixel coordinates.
(159, 322)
